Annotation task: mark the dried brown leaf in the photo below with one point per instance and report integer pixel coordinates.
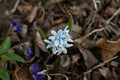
(85, 77)
(115, 75)
(96, 75)
(65, 61)
(114, 63)
(61, 66)
(109, 48)
(51, 2)
(24, 9)
(76, 29)
(110, 11)
(32, 14)
(22, 73)
(40, 42)
(85, 43)
(89, 59)
(106, 73)
(75, 58)
(60, 20)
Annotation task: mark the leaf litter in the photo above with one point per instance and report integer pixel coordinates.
(95, 30)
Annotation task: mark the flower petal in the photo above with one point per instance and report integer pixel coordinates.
(16, 25)
(68, 45)
(64, 50)
(59, 52)
(49, 46)
(66, 27)
(53, 33)
(39, 76)
(54, 50)
(52, 38)
(56, 43)
(60, 33)
(28, 52)
(35, 69)
(47, 41)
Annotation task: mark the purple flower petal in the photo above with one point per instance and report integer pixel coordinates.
(36, 77)
(35, 69)
(39, 77)
(16, 25)
(28, 52)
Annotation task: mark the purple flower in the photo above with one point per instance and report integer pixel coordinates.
(28, 52)
(39, 77)
(35, 71)
(16, 25)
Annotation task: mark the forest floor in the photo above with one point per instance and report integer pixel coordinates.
(94, 28)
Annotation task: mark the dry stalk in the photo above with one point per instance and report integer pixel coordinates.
(15, 6)
(60, 75)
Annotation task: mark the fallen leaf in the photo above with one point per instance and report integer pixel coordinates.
(65, 61)
(85, 43)
(115, 75)
(106, 73)
(24, 9)
(75, 31)
(61, 66)
(85, 77)
(110, 11)
(114, 63)
(108, 48)
(96, 75)
(22, 73)
(32, 15)
(52, 2)
(40, 42)
(59, 21)
(75, 58)
(88, 57)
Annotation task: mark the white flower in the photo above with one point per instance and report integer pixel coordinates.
(59, 41)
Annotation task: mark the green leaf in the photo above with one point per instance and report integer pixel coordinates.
(42, 34)
(4, 74)
(12, 56)
(5, 46)
(70, 22)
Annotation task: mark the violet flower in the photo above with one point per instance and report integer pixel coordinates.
(28, 52)
(16, 25)
(35, 71)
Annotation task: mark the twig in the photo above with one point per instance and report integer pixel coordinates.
(109, 20)
(97, 66)
(60, 75)
(80, 40)
(21, 44)
(95, 3)
(15, 6)
(96, 30)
